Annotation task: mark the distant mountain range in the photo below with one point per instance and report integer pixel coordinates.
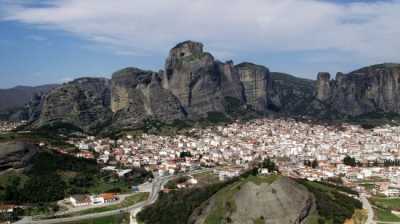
(13, 100)
(19, 96)
(194, 86)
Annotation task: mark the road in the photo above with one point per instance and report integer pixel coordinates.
(367, 205)
(157, 184)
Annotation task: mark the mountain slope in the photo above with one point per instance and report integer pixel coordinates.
(20, 95)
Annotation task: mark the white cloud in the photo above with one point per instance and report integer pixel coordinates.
(365, 32)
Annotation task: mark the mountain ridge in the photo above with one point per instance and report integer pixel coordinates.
(194, 86)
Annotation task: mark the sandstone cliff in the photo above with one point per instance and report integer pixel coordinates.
(256, 81)
(370, 89)
(194, 84)
(84, 103)
(198, 81)
(290, 95)
(138, 95)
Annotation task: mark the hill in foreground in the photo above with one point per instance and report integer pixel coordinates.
(254, 200)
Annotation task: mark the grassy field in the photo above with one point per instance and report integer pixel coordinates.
(128, 201)
(386, 203)
(384, 206)
(385, 215)
(205, 178)
(115, 219)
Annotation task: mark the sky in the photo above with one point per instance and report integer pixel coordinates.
(54, 41)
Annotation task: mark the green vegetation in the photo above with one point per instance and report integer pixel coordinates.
(269, 164)
(153, 127)
(263, 179)
(206, 178)
(383, 208)
(332, 205)
(115, 219)
(172, 184)
(350, 161)
(375, 119)
(217, 117)
(259, 221)
(176, 207)
(385, 215)
(53, 176)
(224, 204)
(386, 203)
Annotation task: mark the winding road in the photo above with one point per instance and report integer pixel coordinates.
(368, 207)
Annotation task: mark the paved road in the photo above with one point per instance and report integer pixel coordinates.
(367, 205)
(157, 184)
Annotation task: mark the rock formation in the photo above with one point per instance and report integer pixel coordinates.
(198, 81)
(256, 81)
(370, 89)
(84, 103)
(289, 94)
(138, 95)
(195, 84)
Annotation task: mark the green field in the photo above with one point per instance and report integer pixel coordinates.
(383, 209)
(386, 203)
(385, 215)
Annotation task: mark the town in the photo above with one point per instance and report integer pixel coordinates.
(6, 126)
(300, 149)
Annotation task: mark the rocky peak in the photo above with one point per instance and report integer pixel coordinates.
(323, 86)
(194, 78)
(186, 49)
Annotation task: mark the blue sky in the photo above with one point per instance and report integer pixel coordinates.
(55, 41)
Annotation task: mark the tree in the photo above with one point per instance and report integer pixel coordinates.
(350, 161)
(314, 164)
(269, 164)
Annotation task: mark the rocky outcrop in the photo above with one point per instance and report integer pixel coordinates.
(370, 89)
(84, 103)
(138, 95)
(289, 94)
(16, 155)
(198, 81)
(256, 81)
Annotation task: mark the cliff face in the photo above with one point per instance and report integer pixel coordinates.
(138, 95)
(370, 89)
(17, 103)
(198, 81)
(256, 81)
(84, 103)
(289, 94)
